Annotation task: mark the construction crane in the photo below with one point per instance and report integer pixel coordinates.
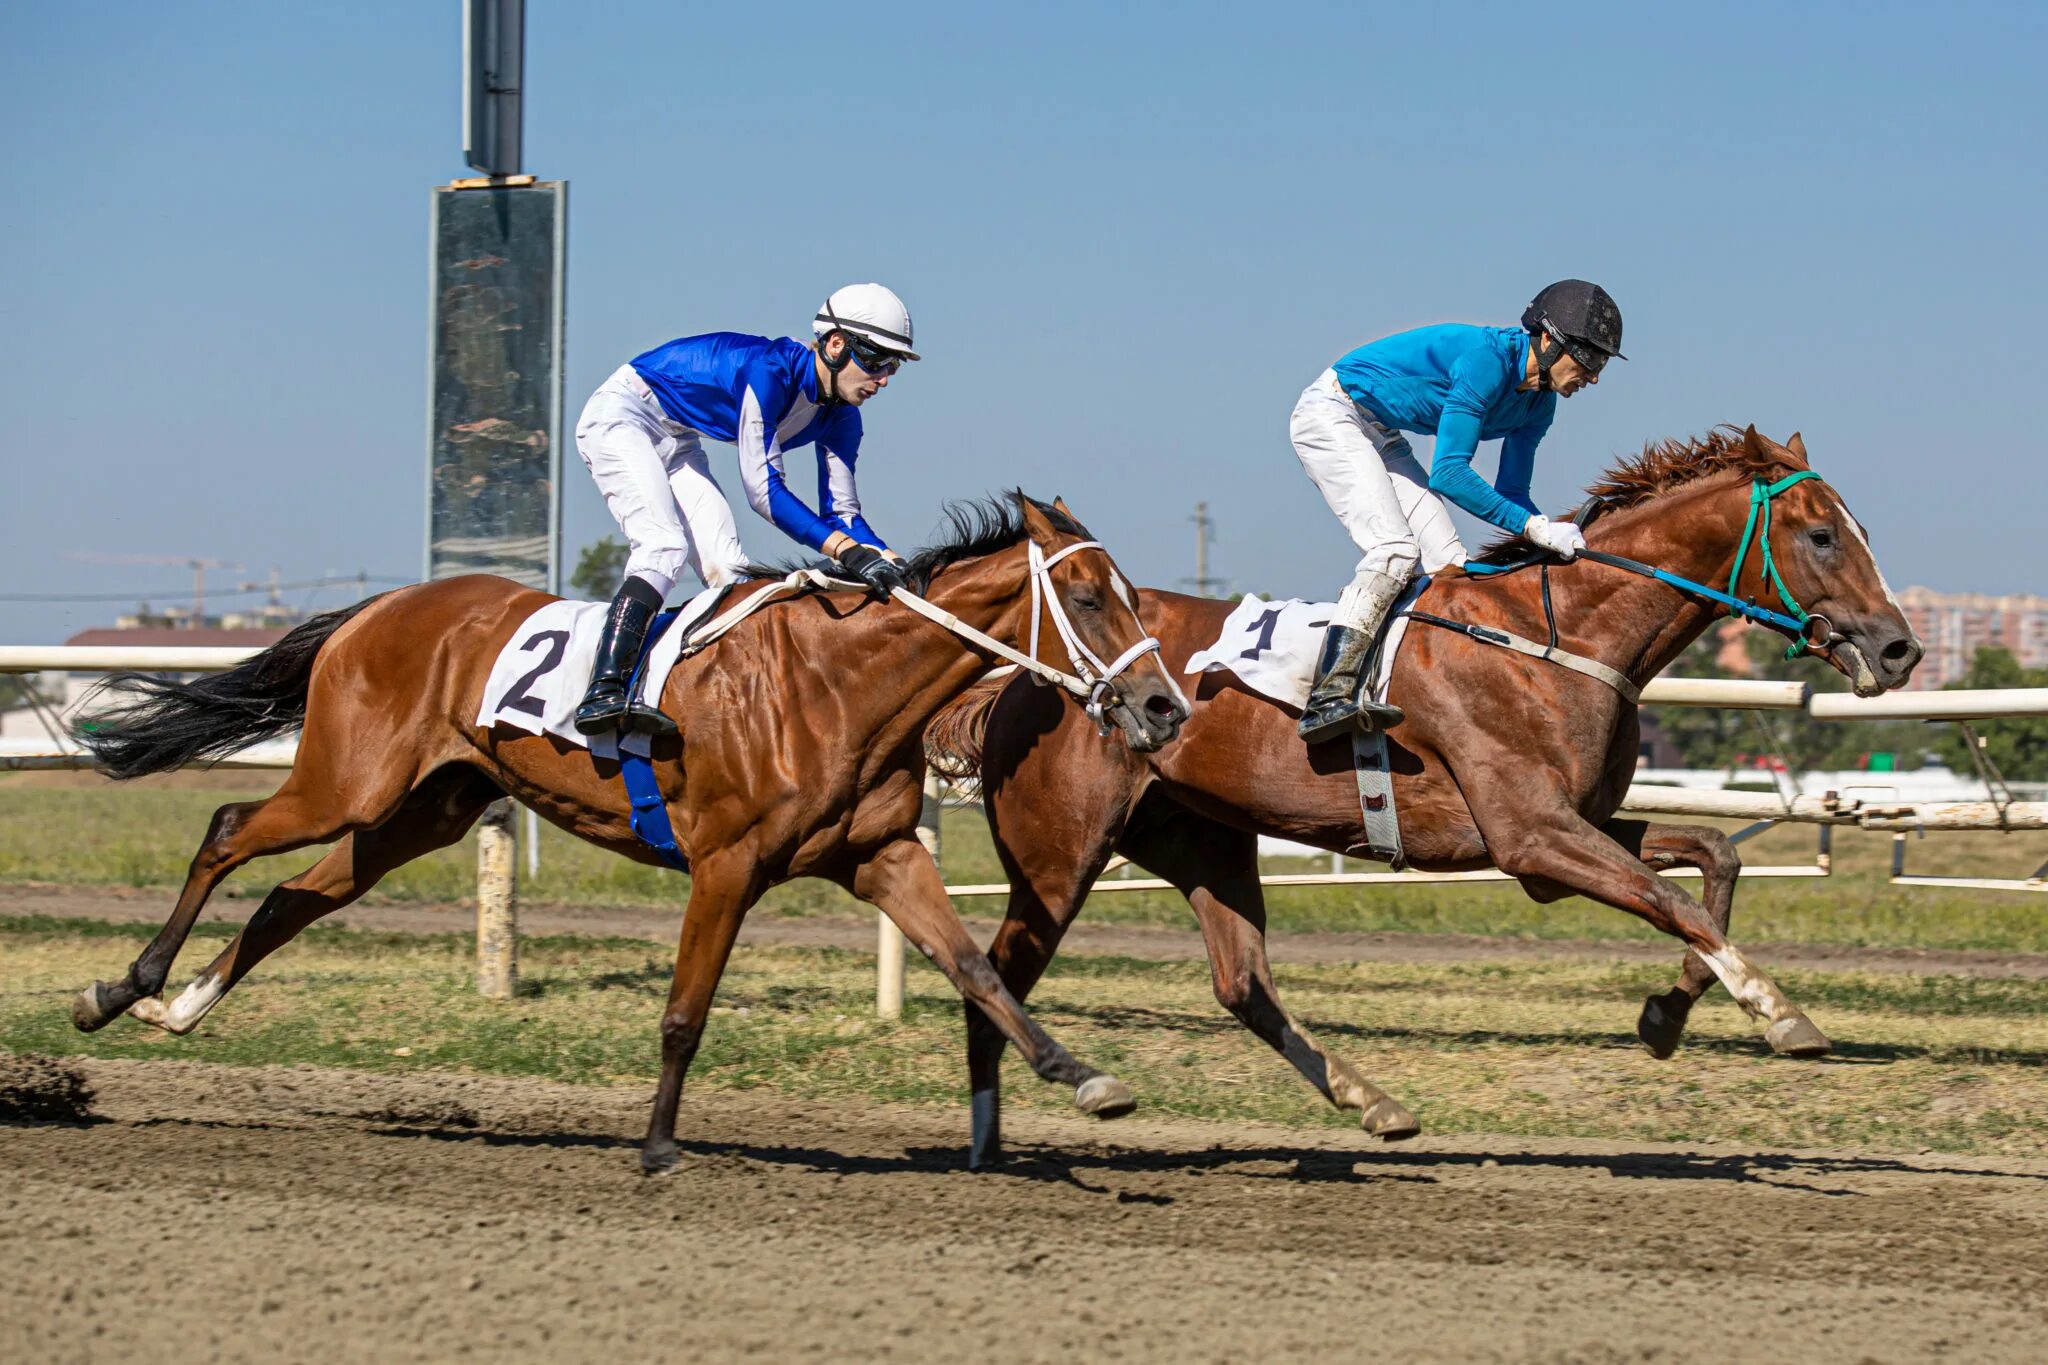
(196, 565)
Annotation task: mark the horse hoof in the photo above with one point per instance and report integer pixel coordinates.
(1388, 1118)
(658, 1158)
(1662, 1022)
(92, 1010)
(1105, 1097)
(1797, 1037)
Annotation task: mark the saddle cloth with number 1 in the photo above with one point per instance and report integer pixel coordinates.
(1272, 647)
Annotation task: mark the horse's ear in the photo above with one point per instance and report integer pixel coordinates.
(1797, 447)
(1035, 520)
(1061, 503)
(1758, 445)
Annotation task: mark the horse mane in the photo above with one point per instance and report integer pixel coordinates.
(1663, 467)
(975, 527)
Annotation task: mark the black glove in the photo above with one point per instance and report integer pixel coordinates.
(873, 568)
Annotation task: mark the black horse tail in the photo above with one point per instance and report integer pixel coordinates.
(158, 724)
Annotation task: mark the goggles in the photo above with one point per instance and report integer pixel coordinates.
(1591, 358)
(874, 360)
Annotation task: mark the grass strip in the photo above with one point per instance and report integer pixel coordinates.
(1540, 1048)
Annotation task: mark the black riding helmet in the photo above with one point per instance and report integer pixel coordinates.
(1573, 316)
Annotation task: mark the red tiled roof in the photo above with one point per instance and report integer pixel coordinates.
(254, 636)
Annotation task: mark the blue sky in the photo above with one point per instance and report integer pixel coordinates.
(1129, 234)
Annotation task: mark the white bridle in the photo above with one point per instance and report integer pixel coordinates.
(1092, 680)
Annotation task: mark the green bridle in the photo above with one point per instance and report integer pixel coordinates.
(1761, 495)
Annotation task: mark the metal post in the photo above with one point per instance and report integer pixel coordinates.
(497, 938)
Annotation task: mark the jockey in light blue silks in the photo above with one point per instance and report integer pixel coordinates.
(1465, 385)
(642, 434)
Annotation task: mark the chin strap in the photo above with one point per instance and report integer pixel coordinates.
(1549, 348)
(831, 396)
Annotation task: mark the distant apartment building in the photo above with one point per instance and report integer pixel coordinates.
(1955, 625)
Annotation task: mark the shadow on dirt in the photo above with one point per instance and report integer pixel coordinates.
(1810, 1174)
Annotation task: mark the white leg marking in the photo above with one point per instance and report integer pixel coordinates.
(183, 1014)
(1751, 988)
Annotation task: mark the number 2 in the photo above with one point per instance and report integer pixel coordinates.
(519, 699)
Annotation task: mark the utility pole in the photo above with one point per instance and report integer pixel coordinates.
(1204, 585)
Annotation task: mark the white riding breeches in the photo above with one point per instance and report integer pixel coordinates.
(1373, 482)
(658, 485)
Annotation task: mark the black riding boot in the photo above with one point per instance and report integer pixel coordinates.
(1336, 705)
(605, 706)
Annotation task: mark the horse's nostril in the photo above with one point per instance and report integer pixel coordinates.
(1164, 709)
(1898, 651)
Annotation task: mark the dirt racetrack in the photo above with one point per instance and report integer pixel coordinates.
(225, 1214)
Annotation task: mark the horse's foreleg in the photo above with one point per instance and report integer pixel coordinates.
(1217, 869)
(1556, 846)
(1659, 847)
(722, 889)
(902, 881)
(434, 816)
(1049, 879)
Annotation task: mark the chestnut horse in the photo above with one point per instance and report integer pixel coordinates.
(800, 756)
(1503, 761)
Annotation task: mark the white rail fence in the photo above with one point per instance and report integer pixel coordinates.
(496, 938)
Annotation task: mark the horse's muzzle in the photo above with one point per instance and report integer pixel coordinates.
(1876, 661)
(1151, 720)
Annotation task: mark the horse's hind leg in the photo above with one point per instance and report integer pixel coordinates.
(339, 781)
(437, 813)
(1662, 1022)
(239, 832)
(1217, 869)
(722, 890)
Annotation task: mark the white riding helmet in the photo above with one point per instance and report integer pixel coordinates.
(870, 312)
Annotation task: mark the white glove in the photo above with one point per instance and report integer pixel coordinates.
(1558, 537)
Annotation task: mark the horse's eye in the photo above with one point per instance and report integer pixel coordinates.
(1086, 601)
(1821, 537)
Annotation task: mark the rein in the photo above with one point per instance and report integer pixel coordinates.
(1092, 680)
(1794, 621)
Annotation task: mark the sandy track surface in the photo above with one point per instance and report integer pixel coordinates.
(1160, 944)
(305, 1214)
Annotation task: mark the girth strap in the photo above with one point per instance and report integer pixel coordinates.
(1563, 658)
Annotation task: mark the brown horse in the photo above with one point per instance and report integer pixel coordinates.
(1503, 760)
(800, 756)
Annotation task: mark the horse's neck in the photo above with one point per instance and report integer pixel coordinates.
(926, 665)
(1692, 535)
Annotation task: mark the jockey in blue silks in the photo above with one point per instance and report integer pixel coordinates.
(1465, 385)
(642, 434)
